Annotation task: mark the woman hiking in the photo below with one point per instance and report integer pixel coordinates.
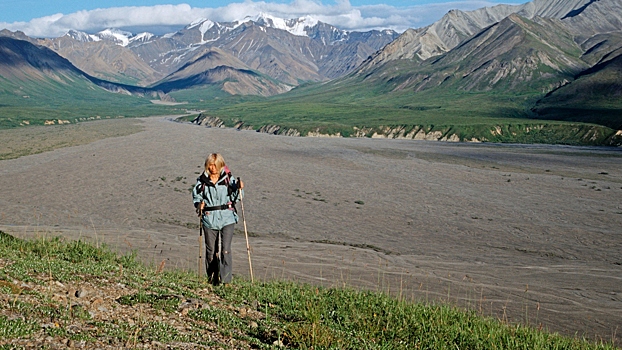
(214, 197)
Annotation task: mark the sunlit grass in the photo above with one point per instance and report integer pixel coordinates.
(254, 315)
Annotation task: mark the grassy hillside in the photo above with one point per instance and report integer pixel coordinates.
(594, 96)
(59, 294)
(37, 85)
(33, 102)
(347, 107)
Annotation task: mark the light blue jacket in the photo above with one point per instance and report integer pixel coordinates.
(224, 192)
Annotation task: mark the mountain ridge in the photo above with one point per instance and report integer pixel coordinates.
(215, 66)
(453, 28)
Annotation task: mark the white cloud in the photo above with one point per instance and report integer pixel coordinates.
(341, 14)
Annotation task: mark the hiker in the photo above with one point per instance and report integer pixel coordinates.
(214, 196)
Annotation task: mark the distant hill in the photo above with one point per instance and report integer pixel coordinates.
(515, 54)
(38, 85)
(594, 96)
(24, 62)
(457, 26)
(20, 61)
(216, 67)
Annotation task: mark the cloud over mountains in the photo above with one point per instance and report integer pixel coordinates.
(161, 19)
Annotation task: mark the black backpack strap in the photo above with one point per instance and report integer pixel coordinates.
(221, 207)
(205, 181)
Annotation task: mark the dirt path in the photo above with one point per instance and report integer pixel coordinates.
(524, 233)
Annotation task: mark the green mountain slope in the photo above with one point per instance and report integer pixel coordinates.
(595, 97)
(37, 85)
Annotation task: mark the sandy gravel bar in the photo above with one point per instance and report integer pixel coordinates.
(524, 233)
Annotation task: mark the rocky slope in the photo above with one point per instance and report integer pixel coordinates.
(593, 18)
(104, 59)
(516, 54)
(216, 67)
(457, 26)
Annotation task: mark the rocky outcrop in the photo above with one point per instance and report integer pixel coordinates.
(165, 97)
(278, 130)
(580, 134)
(417, 132)
(616, 140)
(205, 120)
(242, 126)
(318, 133)
(215, 122)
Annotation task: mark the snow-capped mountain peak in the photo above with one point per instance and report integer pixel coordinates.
(204, 25)
(298, 26)
(197, 22)
(82, 36)
(295, 26)
(116, 35)
(142, 37)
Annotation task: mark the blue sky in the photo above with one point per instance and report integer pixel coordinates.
(49, 18)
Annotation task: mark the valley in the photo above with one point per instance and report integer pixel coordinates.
(541, 72)
(523, 233)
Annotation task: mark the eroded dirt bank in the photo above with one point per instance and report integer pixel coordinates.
(517, 232)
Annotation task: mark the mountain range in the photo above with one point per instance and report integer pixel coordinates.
(562, 57)
(268, 55)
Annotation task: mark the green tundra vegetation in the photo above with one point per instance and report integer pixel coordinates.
(33, 102)
(334, 109)
(59, 293)
(347, 112)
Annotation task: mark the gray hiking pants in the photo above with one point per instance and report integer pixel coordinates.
(218, 262)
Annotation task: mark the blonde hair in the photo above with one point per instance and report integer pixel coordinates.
(216, 159)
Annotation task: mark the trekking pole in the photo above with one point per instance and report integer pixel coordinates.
(200, 245)
(219, 257)
(248, 247)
